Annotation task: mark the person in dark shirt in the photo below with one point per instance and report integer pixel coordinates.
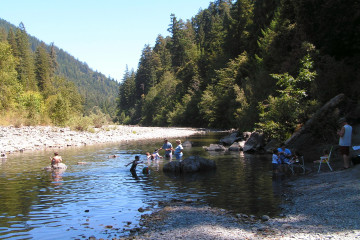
(134, 164)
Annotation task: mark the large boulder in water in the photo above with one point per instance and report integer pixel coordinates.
(190, 165)
(254, 143)
(235, 147)
(230, 139)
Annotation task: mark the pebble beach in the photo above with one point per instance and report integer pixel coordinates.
(32, 138)
(316, 206)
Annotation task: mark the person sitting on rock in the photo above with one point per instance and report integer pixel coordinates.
(55, 159)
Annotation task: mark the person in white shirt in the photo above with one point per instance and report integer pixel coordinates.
(345, 141)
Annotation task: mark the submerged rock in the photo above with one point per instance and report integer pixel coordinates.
(215, 147)
(187, 144)
(190, 165)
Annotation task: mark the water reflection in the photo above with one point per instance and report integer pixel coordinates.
(87, 197)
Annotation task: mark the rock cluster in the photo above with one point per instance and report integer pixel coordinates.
(190, 165)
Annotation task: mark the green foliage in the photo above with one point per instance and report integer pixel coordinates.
(158, 103)
(33, 105)
(9, 87)
(79, 123)
(25, 66)
(58, 109)
(279, 116)
(99, 119)
(43, 69)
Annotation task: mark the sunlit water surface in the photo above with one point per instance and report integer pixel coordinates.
(102, 197)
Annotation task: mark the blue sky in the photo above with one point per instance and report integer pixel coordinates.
(107, 34)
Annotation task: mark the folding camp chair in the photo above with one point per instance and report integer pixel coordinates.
(298, 163)
(326, 160)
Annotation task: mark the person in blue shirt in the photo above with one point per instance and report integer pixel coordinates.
(167, 146)
(178, 150)
(284, 154)
(275, 161)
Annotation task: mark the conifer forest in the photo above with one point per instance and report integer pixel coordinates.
(245, 64)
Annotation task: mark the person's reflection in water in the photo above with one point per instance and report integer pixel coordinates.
(56, 176)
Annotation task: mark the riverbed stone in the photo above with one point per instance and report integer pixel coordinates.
(230, 139)
(187, 144)
(190, 165)
(215, 147)
(254, 143)
(235, 147)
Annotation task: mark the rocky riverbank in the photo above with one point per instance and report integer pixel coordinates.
(41, 137)
(317, 206)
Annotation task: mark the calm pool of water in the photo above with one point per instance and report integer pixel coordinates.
(87, 199)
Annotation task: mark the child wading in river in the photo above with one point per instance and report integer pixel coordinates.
(134, 164)
(275, 161)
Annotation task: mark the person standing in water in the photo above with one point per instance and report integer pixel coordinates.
(178, 150)
(167, 146)
(134, 164)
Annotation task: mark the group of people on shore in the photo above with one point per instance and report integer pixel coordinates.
(282, 156)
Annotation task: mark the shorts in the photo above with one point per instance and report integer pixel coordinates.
(344, 150)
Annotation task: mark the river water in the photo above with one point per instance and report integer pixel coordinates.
(102, 198)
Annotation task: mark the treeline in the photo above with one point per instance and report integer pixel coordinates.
(41, 84)
(246, 64)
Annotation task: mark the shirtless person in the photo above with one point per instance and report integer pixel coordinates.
(55, 159)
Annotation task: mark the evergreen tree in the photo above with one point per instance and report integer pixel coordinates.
(43, 69)
(9, 87)
(25, 68)
(12, 41)
(53, 60)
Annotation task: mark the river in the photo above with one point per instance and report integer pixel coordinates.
(102, 198)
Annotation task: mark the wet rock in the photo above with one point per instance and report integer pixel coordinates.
(235, 147)
(141, 210)
(254, 143)
(190, 165)
(265, 218)
(187, 144)
(230, 139)
(215, 147)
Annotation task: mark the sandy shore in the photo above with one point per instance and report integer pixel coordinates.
(317, 206)
(41, 137)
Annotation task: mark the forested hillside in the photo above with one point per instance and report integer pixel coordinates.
(247, 64)
(90, 89)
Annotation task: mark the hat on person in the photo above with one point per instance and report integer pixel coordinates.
(342, 120)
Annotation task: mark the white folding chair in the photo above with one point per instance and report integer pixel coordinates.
(299, 162)
(326, 160)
